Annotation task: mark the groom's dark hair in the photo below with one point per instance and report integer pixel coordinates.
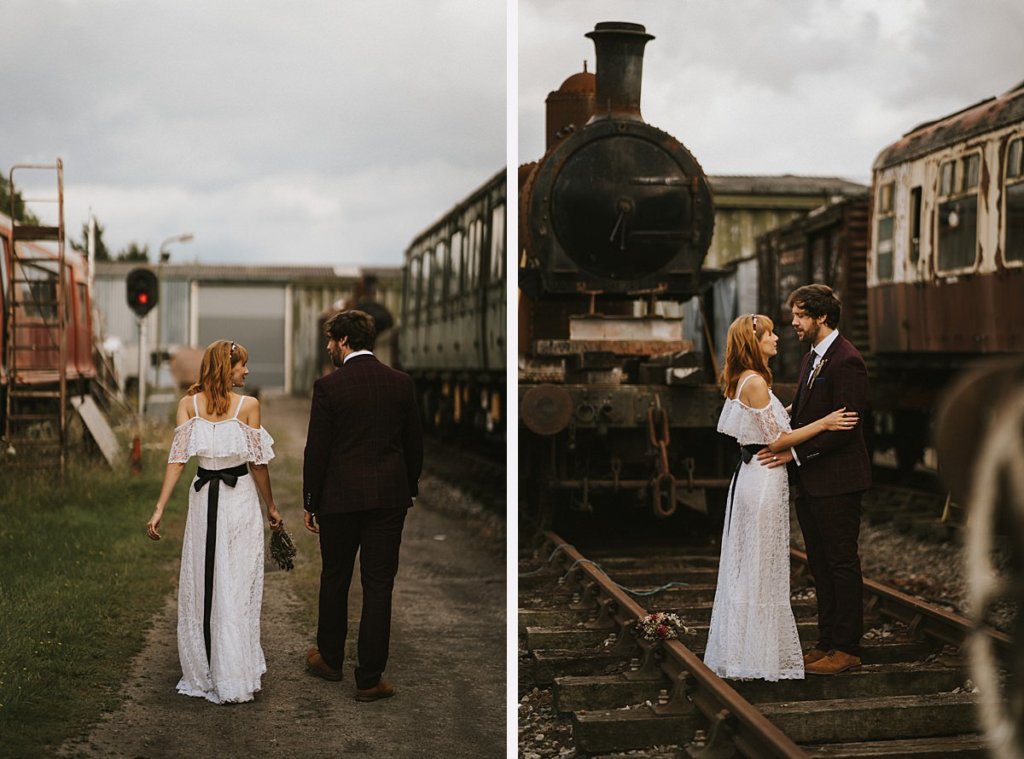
(357, 326)
(817, 300)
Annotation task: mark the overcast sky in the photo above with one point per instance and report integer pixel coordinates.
(310, 131)
(813, 87)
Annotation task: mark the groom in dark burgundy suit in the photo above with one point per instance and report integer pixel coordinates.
(364, 453)
(830, 473)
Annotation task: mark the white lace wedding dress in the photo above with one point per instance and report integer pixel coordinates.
(753, 633)
(236, 661)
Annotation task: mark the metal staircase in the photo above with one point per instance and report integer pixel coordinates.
(35, 339)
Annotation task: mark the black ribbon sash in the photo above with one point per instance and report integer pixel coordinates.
(747, 452)
(214, 477)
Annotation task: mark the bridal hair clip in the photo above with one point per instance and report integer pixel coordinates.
(754, 318)
(233, 347)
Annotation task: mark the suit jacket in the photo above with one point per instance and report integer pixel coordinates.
(836, 461)
(364, 448)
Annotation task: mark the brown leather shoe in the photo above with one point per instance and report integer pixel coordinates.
(378, 691)
(814, 655)
(833, 664)
(316, 665)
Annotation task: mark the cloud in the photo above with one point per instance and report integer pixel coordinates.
(760, 87)
(258, 124)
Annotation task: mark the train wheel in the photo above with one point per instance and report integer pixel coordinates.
(998, 493)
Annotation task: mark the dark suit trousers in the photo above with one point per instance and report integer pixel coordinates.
(831, 526)
(376, 534)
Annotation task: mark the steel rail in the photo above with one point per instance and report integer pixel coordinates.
(920, 616)
(749, 730)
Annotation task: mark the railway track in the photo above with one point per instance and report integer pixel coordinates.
(911, 698)
(476, 474)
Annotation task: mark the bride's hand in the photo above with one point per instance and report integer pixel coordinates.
(840, 420)
(275, 518)
(153, 525)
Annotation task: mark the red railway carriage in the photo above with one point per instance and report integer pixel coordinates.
(41, 365)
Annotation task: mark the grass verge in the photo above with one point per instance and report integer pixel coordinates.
(79, 584)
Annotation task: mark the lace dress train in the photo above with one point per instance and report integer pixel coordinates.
(236, 663)
(753, 633)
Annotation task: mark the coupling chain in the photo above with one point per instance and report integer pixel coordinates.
(664, 484)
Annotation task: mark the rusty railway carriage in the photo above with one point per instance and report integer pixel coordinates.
(945, 270)
(617, 409)
(933, 279)
(452, 331)
(40, 365)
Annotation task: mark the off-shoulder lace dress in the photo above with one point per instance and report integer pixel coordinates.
(236, 661)
(753, 633)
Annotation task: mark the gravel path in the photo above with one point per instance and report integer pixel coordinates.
(448, 667)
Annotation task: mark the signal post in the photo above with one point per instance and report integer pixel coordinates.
(143, 289)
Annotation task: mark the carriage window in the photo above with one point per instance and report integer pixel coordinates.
(883, 264)
(473, 258)
(1014, 215)
(414, 286)
(437, 293)
(971, 165)
(427, 280)
(1013, 162)
(883, 236)
(885, 197)
(455, 285)
(915, 224)
(957, 233)
(948, 172)
(498, 244)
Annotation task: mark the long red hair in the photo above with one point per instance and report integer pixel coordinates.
(743, 351)
(220, 358)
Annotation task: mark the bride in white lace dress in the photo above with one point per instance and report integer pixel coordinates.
(220, 590)
(753, 633)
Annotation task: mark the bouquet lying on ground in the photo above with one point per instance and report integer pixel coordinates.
(661, 626)
(282, 549)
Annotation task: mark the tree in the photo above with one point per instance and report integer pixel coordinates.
(132, 252)
(20, 214)
(102, 253)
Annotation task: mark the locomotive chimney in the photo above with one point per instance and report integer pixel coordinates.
(620, 64)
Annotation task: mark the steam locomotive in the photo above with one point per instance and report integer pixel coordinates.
(616, 404)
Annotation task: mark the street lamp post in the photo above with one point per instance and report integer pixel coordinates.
(165, 256)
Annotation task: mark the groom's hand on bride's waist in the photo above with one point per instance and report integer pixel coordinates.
(765, 457)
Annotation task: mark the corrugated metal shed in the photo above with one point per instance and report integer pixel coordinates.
(290, 299)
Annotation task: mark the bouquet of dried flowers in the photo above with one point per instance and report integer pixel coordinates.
(661, 626)
(282, 549)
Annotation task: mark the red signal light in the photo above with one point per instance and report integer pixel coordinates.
(143, 298)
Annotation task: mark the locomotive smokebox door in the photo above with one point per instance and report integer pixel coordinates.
(619, 206)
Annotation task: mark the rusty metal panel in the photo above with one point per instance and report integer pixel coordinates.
(955, 315)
